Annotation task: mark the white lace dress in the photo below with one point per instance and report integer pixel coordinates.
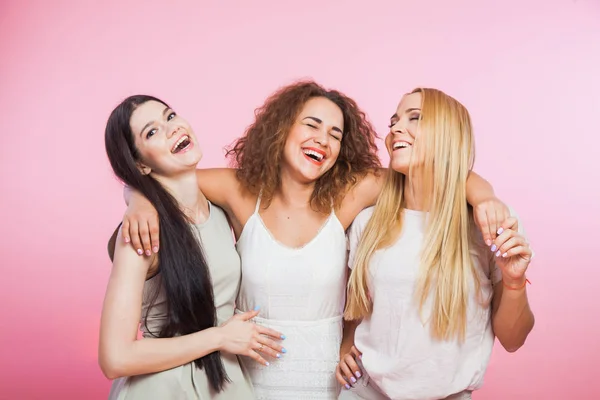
(301, 293)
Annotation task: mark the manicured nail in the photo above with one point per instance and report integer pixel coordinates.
(155, 249)
(488, 242)
(498, 253)
(360, 356)
(148, 252)
(256, 308)
(126, 240)
(140, 252)
(494, 248)
(353, 379)
(278, 355)
(500, 231)
(347, 386)
(504, 255)
(267, 364)
(283, 338)
(358, 375)
(283, 350)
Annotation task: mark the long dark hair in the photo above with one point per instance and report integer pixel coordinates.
(184, 272)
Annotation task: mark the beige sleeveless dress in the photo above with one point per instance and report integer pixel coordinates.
(187, 381)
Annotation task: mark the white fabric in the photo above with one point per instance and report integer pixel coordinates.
(301, 293)
(399, 354)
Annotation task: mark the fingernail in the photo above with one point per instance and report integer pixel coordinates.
(278, 355)
(267, 364)
(347, 386)
(148, 252)
(500, 231)
(498, 253)
(283, 350)
(504, 255)
(256, 308)
(155, 249)
(488, 242)
(283, 338)
(494, 248)
(126, 240)
(140, 252)
(357, 373)
(353, 380)
(360, 356)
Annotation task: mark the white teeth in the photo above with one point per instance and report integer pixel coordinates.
(181, 140)
(400, 145)
(313, 153)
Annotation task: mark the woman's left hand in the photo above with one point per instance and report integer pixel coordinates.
(512, 253)
(489, 215)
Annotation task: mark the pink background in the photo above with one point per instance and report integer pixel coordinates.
(527, 70)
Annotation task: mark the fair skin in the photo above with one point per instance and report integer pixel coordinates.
(512, 319)
(290, 217)
(157, 130)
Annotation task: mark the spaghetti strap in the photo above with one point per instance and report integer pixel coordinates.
(258, 202)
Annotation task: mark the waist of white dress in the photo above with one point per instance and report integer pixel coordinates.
(299, 323)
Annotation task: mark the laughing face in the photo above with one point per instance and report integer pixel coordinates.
(313, 144)
(404, 128)
(166, 143)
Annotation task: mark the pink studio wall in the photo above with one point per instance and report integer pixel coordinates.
(526, 69)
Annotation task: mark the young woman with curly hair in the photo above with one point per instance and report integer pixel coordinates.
(303, 171)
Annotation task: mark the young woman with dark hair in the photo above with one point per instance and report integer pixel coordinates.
(184, 295)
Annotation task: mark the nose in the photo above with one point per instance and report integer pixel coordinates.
(171, 131)
(322, 138)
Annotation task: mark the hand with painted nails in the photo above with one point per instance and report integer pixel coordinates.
(240, 336)
(140, 224)
(512, 253)
(348, 372)
(489, 214)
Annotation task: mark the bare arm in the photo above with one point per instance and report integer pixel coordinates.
(219, 185)
(121, 354)
(512, 318)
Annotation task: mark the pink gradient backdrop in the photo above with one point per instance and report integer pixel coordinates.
(526, 69)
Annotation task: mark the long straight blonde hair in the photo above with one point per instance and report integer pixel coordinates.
(445, 140)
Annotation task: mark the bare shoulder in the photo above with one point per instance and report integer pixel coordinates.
(222, 187)
(362, 195)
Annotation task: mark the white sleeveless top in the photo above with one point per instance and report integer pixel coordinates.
(301, 293)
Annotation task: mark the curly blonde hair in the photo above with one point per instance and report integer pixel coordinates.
(268, 135)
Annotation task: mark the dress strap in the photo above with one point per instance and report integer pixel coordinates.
(258, 202)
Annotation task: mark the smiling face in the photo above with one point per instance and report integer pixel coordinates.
(404, 129)
(165, 142)
(314, 141)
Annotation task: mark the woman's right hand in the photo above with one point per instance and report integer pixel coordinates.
(140, 224)
(348, 371)
(240, 336)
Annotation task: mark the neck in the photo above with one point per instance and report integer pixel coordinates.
(414, 194)
(184, 188)
(294, 193)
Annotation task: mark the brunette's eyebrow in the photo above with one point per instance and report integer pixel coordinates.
(151, 122)
(318, 121)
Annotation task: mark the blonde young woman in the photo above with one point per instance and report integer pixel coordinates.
(426, 294)
(306, 167)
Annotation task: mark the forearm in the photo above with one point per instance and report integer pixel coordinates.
(478, 189)
(513, 320)
(348, 336)
(154, 355)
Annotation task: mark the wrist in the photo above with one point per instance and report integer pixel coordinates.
(217, 338)
(515, 283)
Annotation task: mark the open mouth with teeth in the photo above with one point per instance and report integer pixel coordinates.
(182, 144)
(400, 145)
(314, 155)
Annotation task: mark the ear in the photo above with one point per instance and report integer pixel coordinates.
(144, 170)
